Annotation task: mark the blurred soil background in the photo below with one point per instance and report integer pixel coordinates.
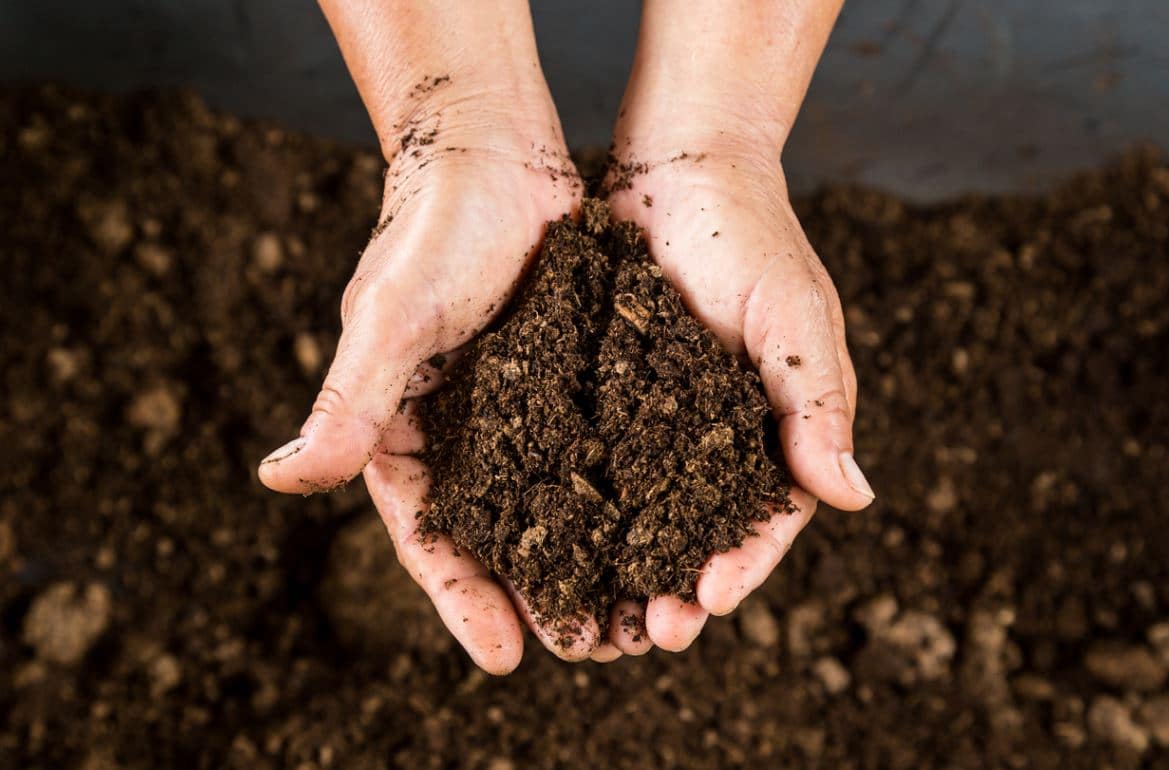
(169, 303)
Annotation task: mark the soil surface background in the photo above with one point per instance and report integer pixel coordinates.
(169, 302)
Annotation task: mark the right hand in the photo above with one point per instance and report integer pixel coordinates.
(464, 212)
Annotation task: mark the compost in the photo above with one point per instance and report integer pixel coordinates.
(599, 444)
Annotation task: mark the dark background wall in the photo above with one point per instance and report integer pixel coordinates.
(926, 97)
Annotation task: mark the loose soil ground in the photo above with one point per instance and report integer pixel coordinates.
(169, 302)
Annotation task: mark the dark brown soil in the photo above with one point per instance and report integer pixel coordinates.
(169, 301)
(599, 444)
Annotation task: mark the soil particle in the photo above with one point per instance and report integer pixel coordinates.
(107, 222)
(308, 354)
(599, 444)
(1154, 715)
(634, 624)
(156, 409)
(943, 498)
(1158, 636)
(805, 624)
(908, 647)
(1110, 720)
(1126, 666)
(165, 675)
(832, 675)
(154, 258)
(267, 252)
(987, 660)
(758, 623)
(66, 620)
(64, 364)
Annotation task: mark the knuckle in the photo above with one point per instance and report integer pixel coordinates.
(331, 401)
(815, 298)
(832, 403)
(776, 548)
(351, 298)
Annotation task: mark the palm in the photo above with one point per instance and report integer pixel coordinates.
(725, 235)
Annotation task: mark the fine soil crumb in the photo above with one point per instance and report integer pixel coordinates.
(599, 443)
(634, 625)
(66, 620)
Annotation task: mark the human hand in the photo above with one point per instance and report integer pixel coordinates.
(477, 167)
(463, 227)
(718, 221)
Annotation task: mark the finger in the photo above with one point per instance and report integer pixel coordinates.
(571, 639)
(431, 374)
(627, 628)
(728, 577)
(404, 436)
(380, 347)
(843, 356)
(793, 342)
(606, 653)
(673, 624)
(472, 605)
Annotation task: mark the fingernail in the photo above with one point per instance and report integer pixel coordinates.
(853, 475)
(286, 451)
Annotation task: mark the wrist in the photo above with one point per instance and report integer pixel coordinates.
(712, 72)
(653, 129)
(467, 70)
(468, 112)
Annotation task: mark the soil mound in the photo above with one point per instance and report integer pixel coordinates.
(599, 443)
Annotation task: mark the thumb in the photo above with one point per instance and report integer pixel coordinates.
(380, 347)
(792, 338)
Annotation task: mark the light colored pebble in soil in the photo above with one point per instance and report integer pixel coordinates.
(1126, 666)
(758, 623)
(308, 353)
(153, 258)
(832, 674)
(1158, 636)
(65, 620)
(156, 409)
(108, 223)
(804, 623)
(267, 253)
(925, 640)
(63, 364)
(877, 613)
(1154, 715)
(165, 675)
(1111, 721)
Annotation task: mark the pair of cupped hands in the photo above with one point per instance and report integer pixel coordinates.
(463, 215)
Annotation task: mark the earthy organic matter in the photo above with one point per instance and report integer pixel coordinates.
(169, 301)
(599, 443)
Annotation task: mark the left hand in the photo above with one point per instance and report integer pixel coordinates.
(719, 223)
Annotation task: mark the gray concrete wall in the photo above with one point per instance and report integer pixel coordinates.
(926, 97)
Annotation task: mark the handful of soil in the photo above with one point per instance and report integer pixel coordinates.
(598, 443)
